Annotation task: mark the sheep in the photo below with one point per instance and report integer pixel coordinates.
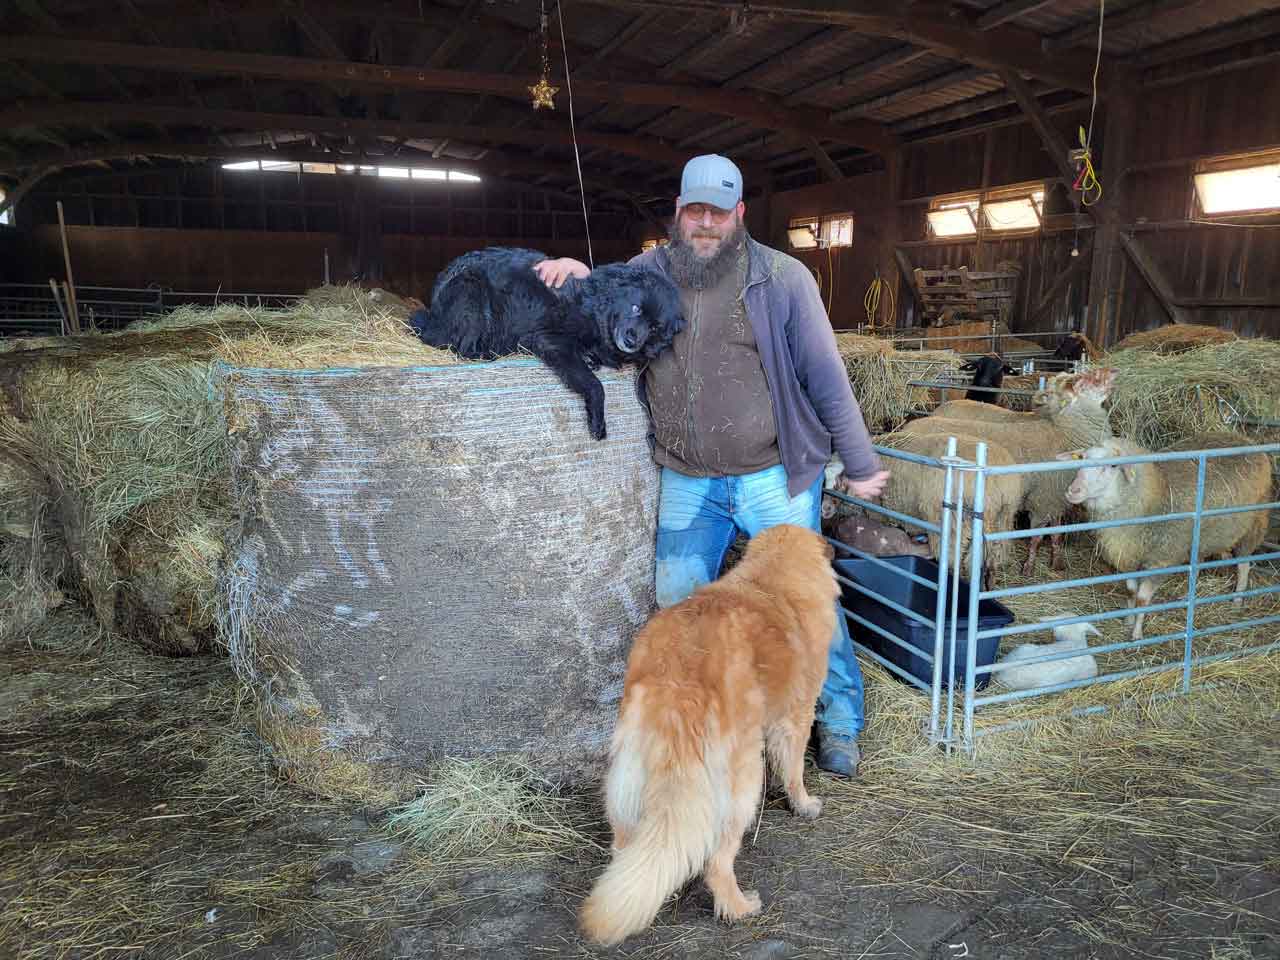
(988, 371)
(1069, 637)
(1046, 401)
(917, 490)
(1081, 421)
(879, 539)
(1148, 489)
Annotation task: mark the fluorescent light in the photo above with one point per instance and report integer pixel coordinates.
(464, 177)
(282, 166)
(241, 165)
(430, 174)
(347, 167)
(397, 173)
(1235, 191)
(317, 168)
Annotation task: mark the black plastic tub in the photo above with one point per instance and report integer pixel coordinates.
(992, 615)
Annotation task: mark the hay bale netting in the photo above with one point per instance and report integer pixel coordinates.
(1175, 338)
(881, 375)
(437, 562)
(114, 485)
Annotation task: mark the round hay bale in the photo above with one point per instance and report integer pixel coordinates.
(1175, 338)
(437, 562)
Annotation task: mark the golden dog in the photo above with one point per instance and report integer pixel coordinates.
(734, 668)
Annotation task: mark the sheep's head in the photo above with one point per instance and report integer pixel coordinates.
(1093, 386)
(1102, 483)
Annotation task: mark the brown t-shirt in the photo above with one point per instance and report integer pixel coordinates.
(708, 395)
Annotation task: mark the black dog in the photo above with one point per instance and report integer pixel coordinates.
(490, 303)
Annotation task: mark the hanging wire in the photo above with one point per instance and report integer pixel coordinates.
(1087, 182)
(573, 133)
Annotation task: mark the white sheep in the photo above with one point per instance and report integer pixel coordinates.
(1080, 422)
(1151, 489)
(1072, 636)
(916, 489)
(1045, 402)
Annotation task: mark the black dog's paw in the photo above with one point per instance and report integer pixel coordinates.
(597, 428)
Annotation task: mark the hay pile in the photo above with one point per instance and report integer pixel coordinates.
(1175, 337)
(113, 473)
(880, 373)
(1161, 398)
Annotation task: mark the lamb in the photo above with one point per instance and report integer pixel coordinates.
(1147, 489)
(917, 490)
(1081, 421)
(879, 539)
(1072, 636)
(988, 371)
(1046, 401)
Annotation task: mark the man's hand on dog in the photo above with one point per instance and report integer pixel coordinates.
(555, 272)
(867, 489)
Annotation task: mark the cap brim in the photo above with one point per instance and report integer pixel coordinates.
(716, 196)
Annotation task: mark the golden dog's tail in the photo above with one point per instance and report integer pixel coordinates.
(669, 793)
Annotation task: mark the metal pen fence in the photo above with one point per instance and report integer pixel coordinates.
(953, 725)
(31, 309)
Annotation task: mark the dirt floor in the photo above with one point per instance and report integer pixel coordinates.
(141, 817)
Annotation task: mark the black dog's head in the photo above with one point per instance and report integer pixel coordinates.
(638, 311)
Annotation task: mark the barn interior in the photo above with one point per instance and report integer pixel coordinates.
(215, 219)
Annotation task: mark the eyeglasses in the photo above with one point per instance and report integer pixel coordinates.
(697, 211)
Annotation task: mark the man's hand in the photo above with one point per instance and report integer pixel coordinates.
(867, 489)
(555, 272)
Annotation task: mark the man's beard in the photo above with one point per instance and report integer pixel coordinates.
(693, 272)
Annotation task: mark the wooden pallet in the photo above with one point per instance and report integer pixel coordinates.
(959, 295)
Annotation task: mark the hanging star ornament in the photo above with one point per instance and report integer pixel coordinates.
(542, 93)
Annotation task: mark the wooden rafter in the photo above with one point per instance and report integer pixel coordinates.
(758, 109)
(931, 23)
(1008, 11)
(74, 113)
(1087, 32)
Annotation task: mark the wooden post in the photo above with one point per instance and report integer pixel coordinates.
(1106, 276)
(62, 313)
(72, 305)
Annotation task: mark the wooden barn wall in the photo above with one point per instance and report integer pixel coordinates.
(247, 261)
(843, 274)
(1234, 112)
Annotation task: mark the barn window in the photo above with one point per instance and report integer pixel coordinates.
(954, 217)
(650, 244)
(363, 170)
(1234, 185)
(6, 218)
(831, 230)
(1017, 212)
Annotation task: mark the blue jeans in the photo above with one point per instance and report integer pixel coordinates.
(698, 519)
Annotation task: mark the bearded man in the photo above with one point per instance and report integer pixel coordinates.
(745, 409)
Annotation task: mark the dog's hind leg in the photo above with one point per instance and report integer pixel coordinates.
(785, 740)
(747, 781)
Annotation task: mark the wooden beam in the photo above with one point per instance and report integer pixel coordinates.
(914, 91)
(1087, 33)
(76, 113)
(1256, 28)
(1050, 138)
(620, 39)
(764, 111)
(46, 165)
(1154, 275)
(1106, 276)
(1062, 280)
(824, 161)
(932, 23)
(899, 56)
(457, 36)
(1002, 13)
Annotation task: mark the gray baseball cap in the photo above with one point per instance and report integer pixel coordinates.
(711, 179)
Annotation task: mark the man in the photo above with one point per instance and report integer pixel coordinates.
(745, 408)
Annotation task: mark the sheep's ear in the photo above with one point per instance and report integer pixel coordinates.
(1090, 628)
(969, 365)
(1130, 472)
(1071, 455)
